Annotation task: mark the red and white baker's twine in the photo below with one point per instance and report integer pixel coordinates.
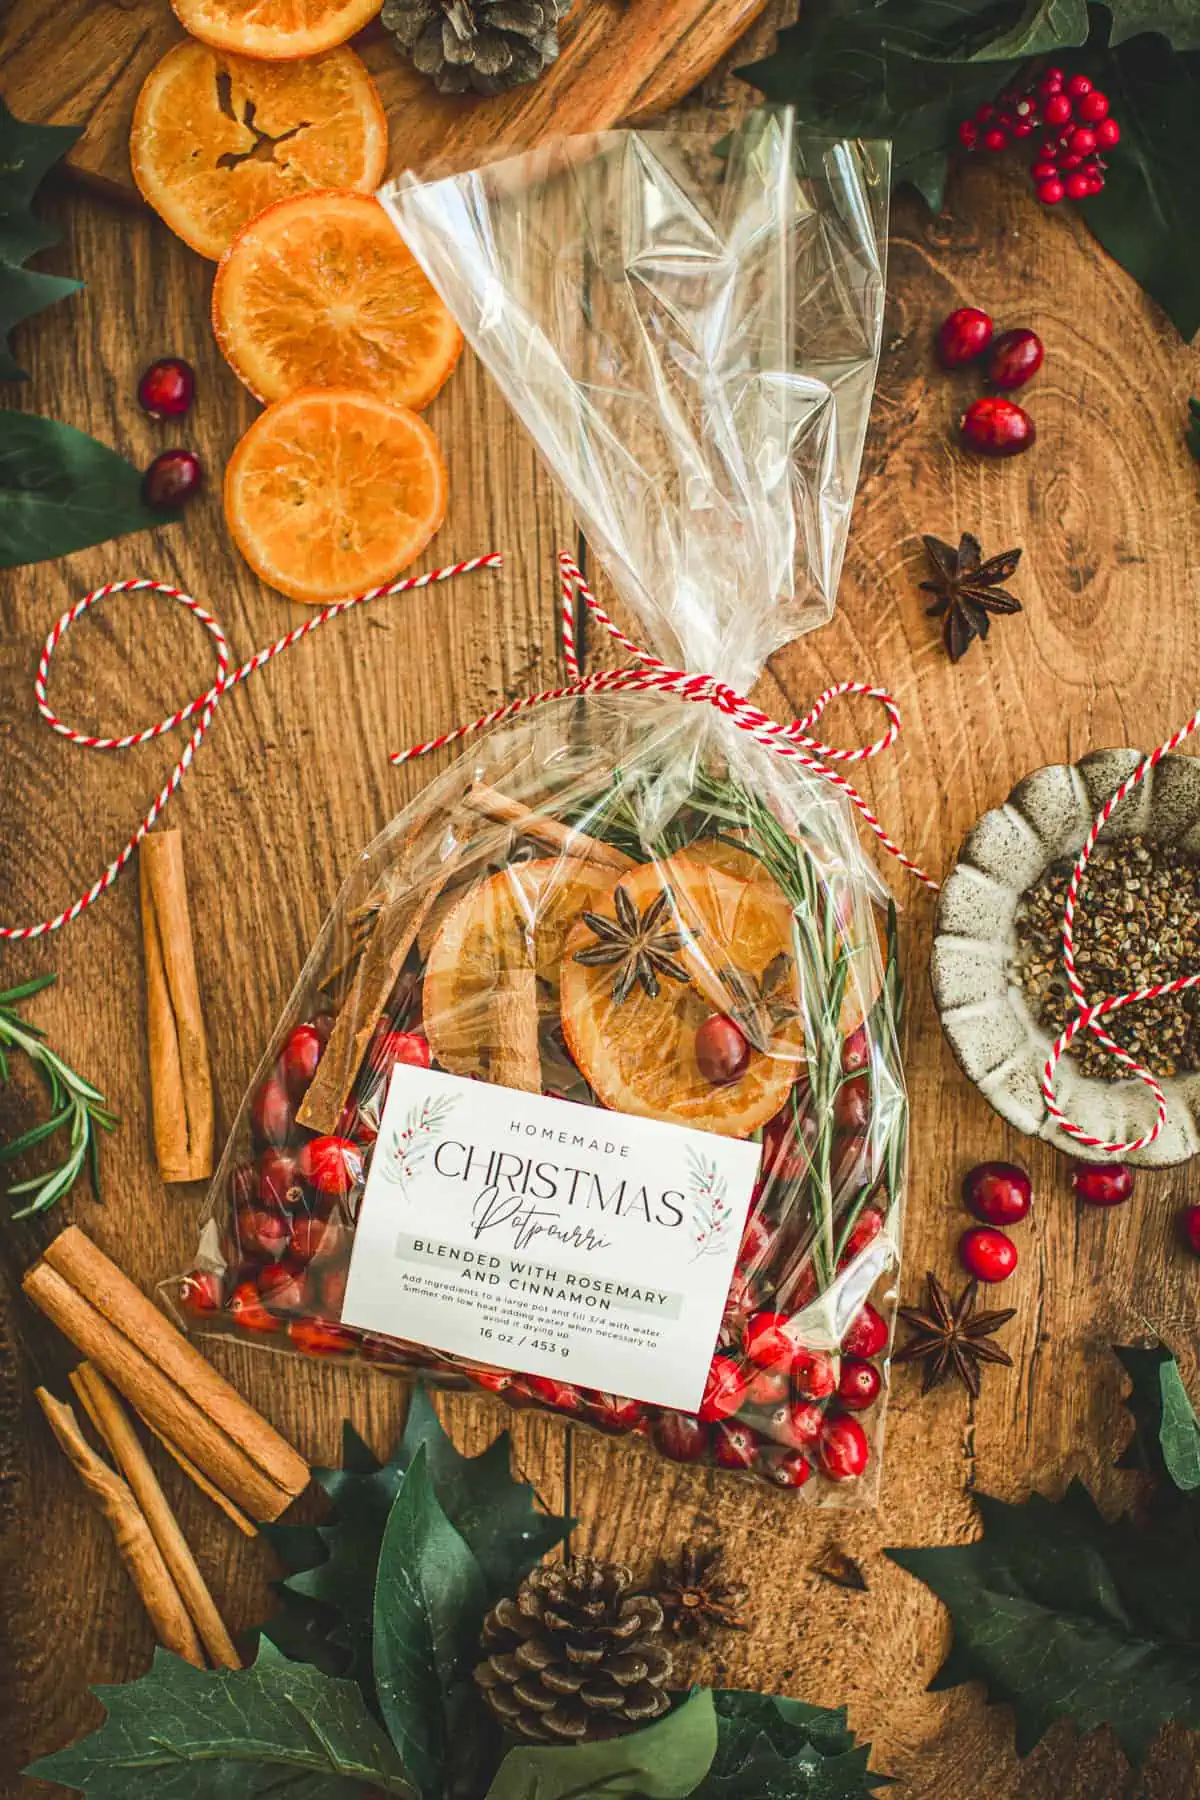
(647, 674)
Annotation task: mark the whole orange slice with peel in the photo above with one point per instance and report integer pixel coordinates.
(320, 290)
(216, 138)
(334, 491)
(274, 29)
(524, 912)
(638, 1052)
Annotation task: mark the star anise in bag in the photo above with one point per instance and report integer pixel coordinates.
(761, 1004)
(968, 590)
(636, 945)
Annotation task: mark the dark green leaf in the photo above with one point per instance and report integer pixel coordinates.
(278, 1728)
(776, 1749)
(24, 292)
(430, 1600)
(1062, 1614)
(1166, 1441)
(1178, 20)
(664, 1761)
(60, 490)
(26, 152)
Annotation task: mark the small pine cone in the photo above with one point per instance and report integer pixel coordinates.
(575, 1657)
(476, 46)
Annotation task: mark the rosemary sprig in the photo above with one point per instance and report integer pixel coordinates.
(75, 1107)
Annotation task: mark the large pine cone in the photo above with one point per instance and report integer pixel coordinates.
(574, 1656)
(484, 46)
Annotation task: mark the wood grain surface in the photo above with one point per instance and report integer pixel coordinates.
(83, 62)
(295, 779)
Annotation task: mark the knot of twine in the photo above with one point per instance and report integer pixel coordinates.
(647, 673)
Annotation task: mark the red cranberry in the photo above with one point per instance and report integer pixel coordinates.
(168, 387)
(724, 1389)
(852, 1104)
(271, 1113)
(496, 1381)
(562, 1396)
(766, 1341)
(858, 1384)
(997, 427)
(316, 1239)
(331, 1165)
(243, 1185)
(788, 1140)
(856, 1050)
(965, 334)
(321, 1337)
(1102, 1184)
(680, 1437)
(401, 1047)
(722, 1052)
(865, 1229)
(172, 479)
(867, 1333)
(1057, 110)
(614, 1413)
(1108, 133)
(299, 1058)
(797, 1425)
(1049, 193)
(814, 1374)
(741, 1300)
(261, 1234)
(1044, 171)
(843, 1452)
(735, 1446)
(998, 1193)
(767, 1388)
(202, 1292)
(757, 1240)
(284, 1289)
(1188, 1220)
(1016, 357)
(333, 1290)
(278, 1181)
(986, 1254)
(791, 1470)
(247, 1309)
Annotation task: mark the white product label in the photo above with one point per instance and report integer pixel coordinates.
(549, 1238)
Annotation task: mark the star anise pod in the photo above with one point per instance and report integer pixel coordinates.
(968, 589)
(695, 1599)
(635, 945)
(761, 1004)
(951, 1337)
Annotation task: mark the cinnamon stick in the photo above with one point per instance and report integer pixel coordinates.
(200, 1480)
(134, 1539)
(551, 833)
(111, 1423)
(515, 1058)
(181, 1091)
(378, 970)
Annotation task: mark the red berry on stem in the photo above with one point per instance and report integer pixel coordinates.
(1057, 110)
(797, 1425)
(1108, 133)
(331, 1165)
(1050, 192)
(1044, 170)
(1016, 356)
(299, 1058)
(1078, 86)
(202, 1292)
(724, 1389)
(172, 479)
(843, 1452)
(996, 427)
(680, 1437)
(722, 1052)
(1082, 141)
(1079, 186)
(1102, 1184)
(866, 1334)
(858, 1384)
(987, 1254)
(1022, 128)
(791, 1470)
(995, 138)
(1092, 107)
(271, 1116)
(167, 388)
(1188, 1220)
(963, 336)
(968, 134)
(1053, 78)
(766, 1342)
(998, 1193)
(735, 1446)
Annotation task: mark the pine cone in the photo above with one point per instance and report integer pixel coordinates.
(574, 1656)
(480, 46)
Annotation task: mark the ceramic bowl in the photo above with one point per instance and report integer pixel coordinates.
(991, 1030)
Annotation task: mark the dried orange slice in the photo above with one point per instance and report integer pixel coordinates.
(275, 29)
(216, 138)
(525, 911)
(638, 1051)
(322, 291)
(334, 491)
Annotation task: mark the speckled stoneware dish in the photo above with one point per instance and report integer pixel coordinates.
(983, 1010)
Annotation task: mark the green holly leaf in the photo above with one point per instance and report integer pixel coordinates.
(664, 1761)
(26, 153)
(429, 1604)
(1176, 20)
(60, 491)
(278, 1729)
(775, 1749)
(1062, 1614)
(1166, 1440)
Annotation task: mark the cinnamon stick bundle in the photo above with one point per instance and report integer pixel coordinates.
(164, 1377)
(551, 833)
(181, 1090)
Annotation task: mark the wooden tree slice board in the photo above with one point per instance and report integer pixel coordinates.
(81, 62)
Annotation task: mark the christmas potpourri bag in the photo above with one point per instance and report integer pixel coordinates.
(589, 1092)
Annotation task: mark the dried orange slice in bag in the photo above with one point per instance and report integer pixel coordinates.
(635, 1042)
(275, 29)
(321, 291)
(216, 138)
(334, 491)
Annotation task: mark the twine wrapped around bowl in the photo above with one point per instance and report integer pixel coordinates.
(973, 969)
